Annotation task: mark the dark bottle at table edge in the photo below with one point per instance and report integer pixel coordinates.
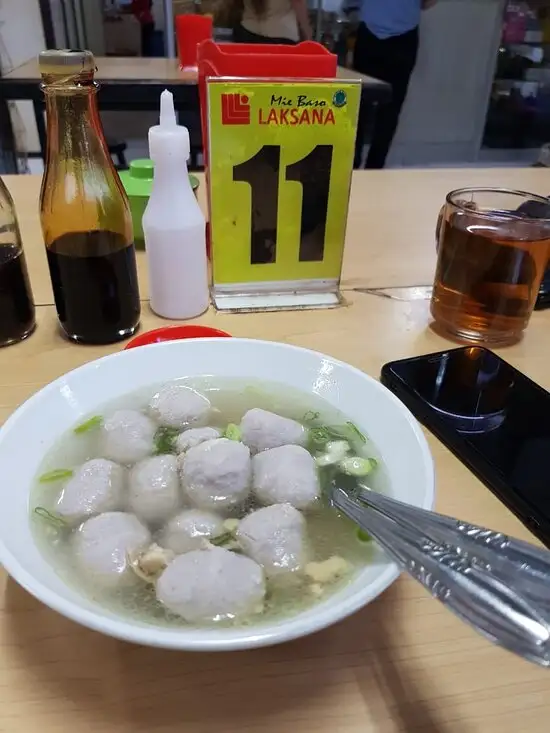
(543, 298)
(538, 209)
(17, 312)
(84, 211)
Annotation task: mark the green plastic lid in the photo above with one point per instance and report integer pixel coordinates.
(138, 181)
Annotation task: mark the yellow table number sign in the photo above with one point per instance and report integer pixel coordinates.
(280, 164)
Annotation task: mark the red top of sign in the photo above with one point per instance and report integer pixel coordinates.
(307, 60)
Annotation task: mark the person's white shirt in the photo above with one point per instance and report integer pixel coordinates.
(278, 21)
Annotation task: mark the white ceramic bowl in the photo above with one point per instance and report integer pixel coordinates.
(32, 430)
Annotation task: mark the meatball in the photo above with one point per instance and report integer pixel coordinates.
(97, 486)
(286, 474)
(275, 537)
(103, 544)
(195, 436)
(190, 530)
(154, 493)
(176, 406)
(127, 436)
(216, 474)
(212, 585)
(262, 430)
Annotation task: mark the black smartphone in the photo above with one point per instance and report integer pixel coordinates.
(494, 419)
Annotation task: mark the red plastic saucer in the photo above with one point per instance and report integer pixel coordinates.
(175, 333)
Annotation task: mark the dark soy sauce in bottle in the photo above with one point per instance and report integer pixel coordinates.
(95, 285)
(84, 210)
(17, 315)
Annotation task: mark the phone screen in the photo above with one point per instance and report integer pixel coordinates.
(501, 417)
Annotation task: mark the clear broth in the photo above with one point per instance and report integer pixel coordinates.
(329, 533)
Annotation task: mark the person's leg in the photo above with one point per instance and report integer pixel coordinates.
(147, 35)
(399, 54)
(367, 60)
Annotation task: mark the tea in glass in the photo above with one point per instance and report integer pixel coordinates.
(492, 257)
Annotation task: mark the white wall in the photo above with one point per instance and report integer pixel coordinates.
(21, 38)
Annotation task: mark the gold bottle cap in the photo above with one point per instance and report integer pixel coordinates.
(66, 63)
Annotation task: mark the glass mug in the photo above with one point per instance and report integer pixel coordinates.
(493, 247)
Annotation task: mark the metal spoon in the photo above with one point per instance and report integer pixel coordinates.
(507, 605)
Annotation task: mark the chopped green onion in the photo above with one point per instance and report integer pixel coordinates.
(221, 539)
(93, 422)
(336, 450)
(356, 432)
(325, 459)
(320, 436)
(338, 432)
(232, 432)
(310, 416)
(357, 466)
(363, 536)
(231, 524)
(50, 517)
(58, 474)
(165, 440)
(338, 446)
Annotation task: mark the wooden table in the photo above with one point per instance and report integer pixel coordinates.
(390, 239)
(122, 69)
(136, 84)
(403, 664)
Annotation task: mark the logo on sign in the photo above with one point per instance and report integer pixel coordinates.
(340, 98)
(235, 109)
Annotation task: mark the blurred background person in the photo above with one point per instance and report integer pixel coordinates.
(273, 21)
(386, 48)
(143, 12)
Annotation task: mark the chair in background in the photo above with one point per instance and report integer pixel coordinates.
(117, 151)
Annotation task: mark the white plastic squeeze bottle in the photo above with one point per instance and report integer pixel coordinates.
(173, 224)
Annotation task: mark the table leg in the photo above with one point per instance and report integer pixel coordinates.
(40, 126)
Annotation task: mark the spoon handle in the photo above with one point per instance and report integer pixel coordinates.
(528, 566)
(473, 593)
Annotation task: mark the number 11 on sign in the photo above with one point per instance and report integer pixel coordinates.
(314, 193)
(279, 192)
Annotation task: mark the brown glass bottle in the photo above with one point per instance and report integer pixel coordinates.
(84, 211)
(17, 316)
